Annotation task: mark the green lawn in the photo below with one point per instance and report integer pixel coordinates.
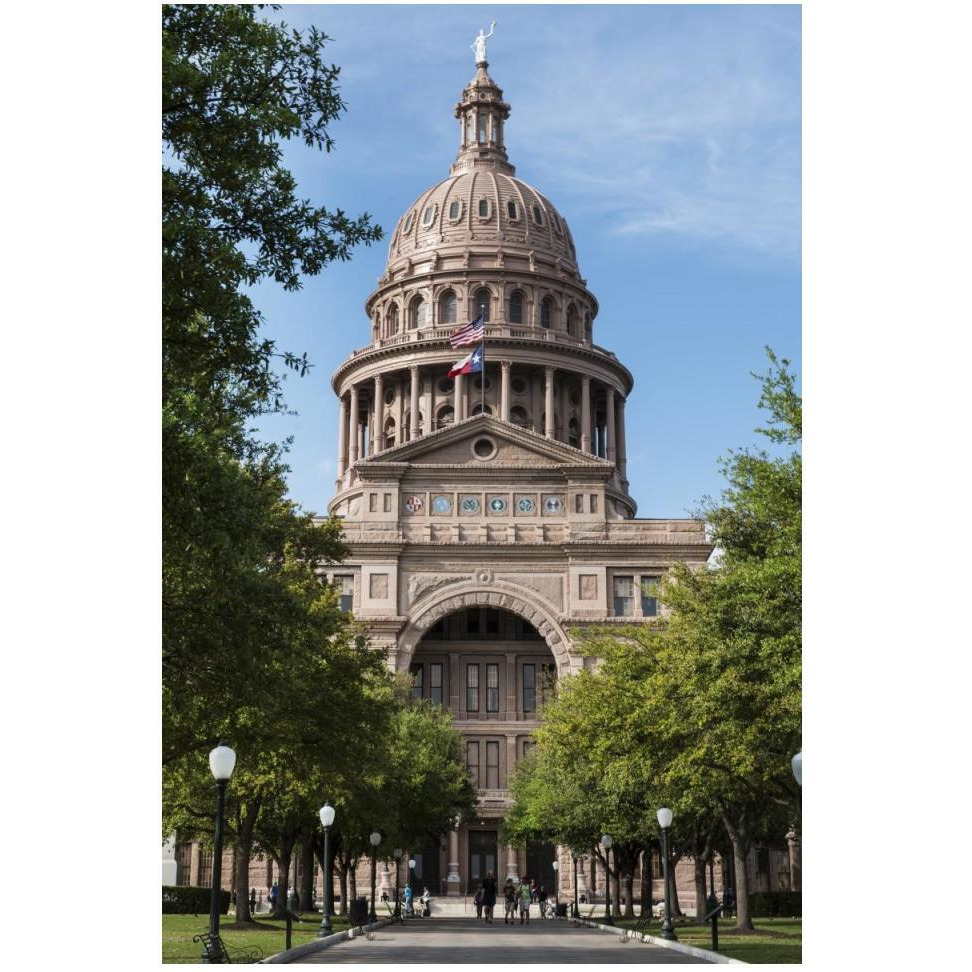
(270, 936)
(776, 939)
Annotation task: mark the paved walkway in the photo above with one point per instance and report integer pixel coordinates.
(468, 941)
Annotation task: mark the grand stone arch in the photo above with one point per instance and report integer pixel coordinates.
(502, 596)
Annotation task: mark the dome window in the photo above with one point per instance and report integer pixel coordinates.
(545, 312)
(417, 314)
(512, 210)
(516, 307)
(572, 322)
(428, 215)
(481, 303)
(447, 308)
(408, 223)
(518, 416)
(392, 319)
(455, 210)
(537, 216)
(484, 208)
(445, 417)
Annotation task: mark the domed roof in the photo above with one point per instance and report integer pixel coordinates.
(482, 202)
(483, 205)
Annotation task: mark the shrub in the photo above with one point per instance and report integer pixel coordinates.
(776, 904)
(191, 901)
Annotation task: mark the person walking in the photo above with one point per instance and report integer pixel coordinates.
(533, 891)
(408, 899)
(542, 900)
(526, 896)
(272, 897)
(509, 917)
(478, 902)
(489, 896)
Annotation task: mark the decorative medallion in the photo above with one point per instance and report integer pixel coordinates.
(414, 503)
(525, 505)
(553, 504)
(469, 504)
(497, 505)
(484, 576)
(441, 504)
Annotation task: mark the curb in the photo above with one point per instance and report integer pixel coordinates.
(309, 948)
(693, 950)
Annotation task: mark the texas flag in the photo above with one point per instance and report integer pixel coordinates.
(469, 365)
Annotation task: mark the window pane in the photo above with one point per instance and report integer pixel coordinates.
(624, 597)
(649, 603)
(545, 312)
(472, 688)
(492, 766)
(529, 688)
(492, 688)
(417, 679)
(472, 762)
(511, 209)
(482, 304)
(454, 209)
(516, 308)
(345, 585)
(484, 208)
(449, 308)
(435, 682)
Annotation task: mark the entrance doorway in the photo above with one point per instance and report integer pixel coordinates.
(482, 856)
(427, 870)
(539, 862)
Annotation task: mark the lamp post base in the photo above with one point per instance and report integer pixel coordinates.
(325, 928)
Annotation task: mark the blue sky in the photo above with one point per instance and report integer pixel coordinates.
(667, 136)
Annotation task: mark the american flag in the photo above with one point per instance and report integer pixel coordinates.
(471, 333)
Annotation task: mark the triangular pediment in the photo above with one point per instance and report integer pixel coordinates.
(514, 446)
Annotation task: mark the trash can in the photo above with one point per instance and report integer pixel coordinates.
(562, 909)
(359, 912)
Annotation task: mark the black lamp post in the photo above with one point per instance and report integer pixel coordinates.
(397, 853)
(576, 909)
(327, 818)
(556, 870)
(411, 879)
(222, 761)
(375, 839)
(665, 821)
(606, 843)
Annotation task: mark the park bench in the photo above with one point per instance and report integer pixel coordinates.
(217, 953)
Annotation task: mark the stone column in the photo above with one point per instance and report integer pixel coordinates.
(511, 865)
(505, 391)
(582, 877)
(342, 442)
(399, 411)
(459, 399)
(622, 448)
(379, 431)
(548, 426)
(452, 878)
(414, 403)
(609, 407)
(586, 413)
(354, 431)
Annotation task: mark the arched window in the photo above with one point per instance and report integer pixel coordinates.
(482, 128)
(481, 302)
(587, 328)
(572, 321)
(516, 307)
(445, 417)
(376, 328)
(537, 216)
(518, 416)
(478, 408)
(454, 209)
(546, 312)
(389, 433)
(573, 433)
(417, 315)
(447, 308)
(428, 215)
(511, 209)
(483, 208)
(392, 319)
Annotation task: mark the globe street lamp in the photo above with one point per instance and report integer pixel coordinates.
(556, 870)
(397, 854)
(606, 843)
(327, 818)
(797, 764)
(665, 821)
(222, 761)
(375, 839)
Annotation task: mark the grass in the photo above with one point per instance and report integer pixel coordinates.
(777, 940)
(270, 936)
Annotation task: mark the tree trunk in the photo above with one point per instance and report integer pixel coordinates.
(245, 846)
(700, 908)
(343, 872)
(676, 907)
(354, 879)
(283, 864)
(306, 874)
(739, 835)
(646, 882)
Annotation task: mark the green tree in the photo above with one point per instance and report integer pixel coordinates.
(234, 88)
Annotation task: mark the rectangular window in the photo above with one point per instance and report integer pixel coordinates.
(418, 672)
(579, 503)
(388, 502)
(472, 688)
(649, 603)
(345, 586)
(492, 766)
(529, 688)
(372, 502)
(623, 597)
(435, 682)
(593, 502)
(492, 688)
(472, 763)
(528, 748)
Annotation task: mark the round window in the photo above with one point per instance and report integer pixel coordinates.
(446, 385)
(518, 385)
(389, 396)
(484, 448)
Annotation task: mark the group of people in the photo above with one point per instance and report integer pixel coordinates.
(426, 900)
(517, 900)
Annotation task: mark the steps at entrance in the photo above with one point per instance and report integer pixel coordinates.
(458, 907)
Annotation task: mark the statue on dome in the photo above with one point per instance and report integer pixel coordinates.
(479, 44)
